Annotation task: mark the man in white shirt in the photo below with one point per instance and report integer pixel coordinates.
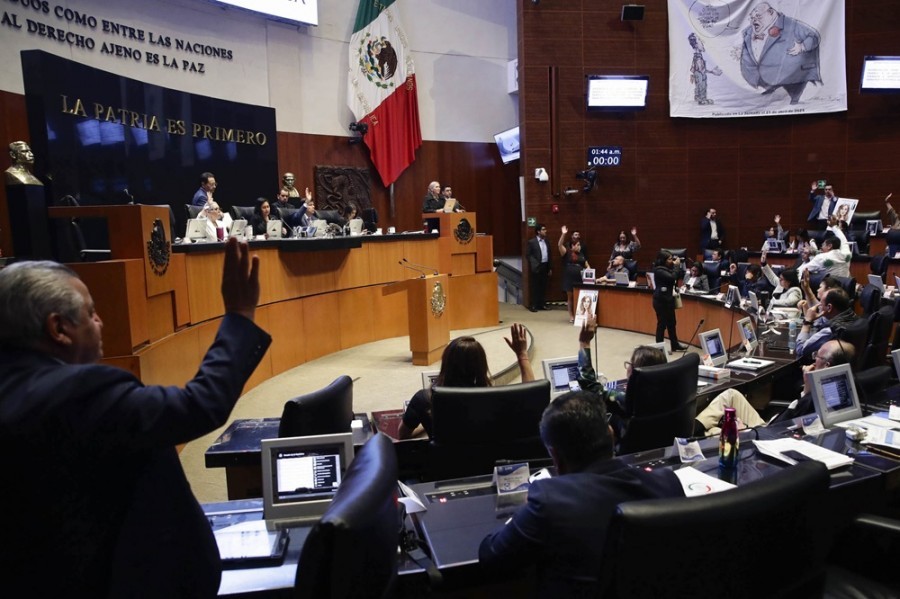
(834, 255)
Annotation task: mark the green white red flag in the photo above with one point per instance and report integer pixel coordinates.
(381, 89)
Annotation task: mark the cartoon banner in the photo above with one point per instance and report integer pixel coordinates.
(741, 58)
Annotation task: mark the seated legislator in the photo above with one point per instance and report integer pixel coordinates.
(215, 219)
(562, 529)
(832, 353)
(463, 364)
(97, 503)
(838, 314)
(434, 201)
(753, 280)
(834, 256)
(787, 292)
(617, 264)
(696, 280)
(262, 212)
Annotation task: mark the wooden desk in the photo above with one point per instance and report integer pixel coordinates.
(317, 297)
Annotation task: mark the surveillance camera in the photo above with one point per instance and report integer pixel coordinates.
(541, 175)
(590, 178)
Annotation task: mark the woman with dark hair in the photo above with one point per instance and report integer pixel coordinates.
(787, 292)
(262, 214)
(463, 364)
(574, 261)
(696, 281)
(626, 245)
(666, 272)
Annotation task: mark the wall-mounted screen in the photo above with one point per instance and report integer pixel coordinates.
(306, 11)
(880, 74)
(617, 92)
(508, 144)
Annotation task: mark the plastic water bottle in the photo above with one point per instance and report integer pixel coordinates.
(792, 336)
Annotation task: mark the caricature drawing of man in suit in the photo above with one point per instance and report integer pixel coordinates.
(779, 51)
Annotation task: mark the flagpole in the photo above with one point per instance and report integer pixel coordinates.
(391, 192)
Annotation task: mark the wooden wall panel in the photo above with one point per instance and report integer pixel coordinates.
(673, 170)
(289, 340)
(354, 307)
(322, 320)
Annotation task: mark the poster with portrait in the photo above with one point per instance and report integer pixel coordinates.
(586, 305)
(744, 58)
(845, 208)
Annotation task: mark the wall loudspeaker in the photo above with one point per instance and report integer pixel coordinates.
(632, 12)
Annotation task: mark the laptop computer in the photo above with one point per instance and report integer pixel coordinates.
(711, 343)
(748, 334)
(560, 372)
(301, 475)
(732, 297)
(834, 395)
(318, 228)
(356, 226)
(752, 302)
(450, 204)
(661, 346)
(622, 278)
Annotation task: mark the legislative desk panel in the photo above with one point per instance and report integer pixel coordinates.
(462, 512)
(277, 580)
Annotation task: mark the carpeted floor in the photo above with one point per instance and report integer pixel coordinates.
(385, 376)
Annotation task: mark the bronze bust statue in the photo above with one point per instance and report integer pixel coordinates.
(22, 158)
(287, 181)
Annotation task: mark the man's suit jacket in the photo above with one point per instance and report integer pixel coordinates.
(533, 252)
(818, 199)
(562, 528)
(706, 232)
(775, 66)
(97, 503)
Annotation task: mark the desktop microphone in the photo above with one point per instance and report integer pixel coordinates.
(697, 330)
(412, 268)
(421, 267)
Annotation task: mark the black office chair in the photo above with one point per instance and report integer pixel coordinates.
(711, 269)
(476, 426)
(192, 211)
(322, 412)
(876, 349)
(817, 236)
(680, 252)
(653, 547)
(242, 212)
(870, 299)
(858, 222)
(632, 267)
(872, 381)
(352, 550)
(663, 403)
(893, 241)
(848, 284)
(857, 335)
(370, 219)
(707, 254)
(878, 265)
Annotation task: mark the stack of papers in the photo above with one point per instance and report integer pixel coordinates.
(777, 448)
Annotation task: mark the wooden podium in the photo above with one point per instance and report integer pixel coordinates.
(426, 309)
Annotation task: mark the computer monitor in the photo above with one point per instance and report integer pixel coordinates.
(661, 346)
(196, 230)
(895, 357)
(622, 278)
(753, 304)
(429, 378)
(273, 229)
(834, 395)
(560, 372)
(732, 297)
(775, 246)
(875, 281)
(302, 474)
(748, 334)
(712, 344)
(651, 280)
(237, 229)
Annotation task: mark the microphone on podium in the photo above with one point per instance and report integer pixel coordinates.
(422, 274)
(421, 267)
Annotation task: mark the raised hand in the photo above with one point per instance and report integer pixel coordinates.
(240, 279)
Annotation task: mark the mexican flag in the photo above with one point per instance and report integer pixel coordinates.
(381, 88)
